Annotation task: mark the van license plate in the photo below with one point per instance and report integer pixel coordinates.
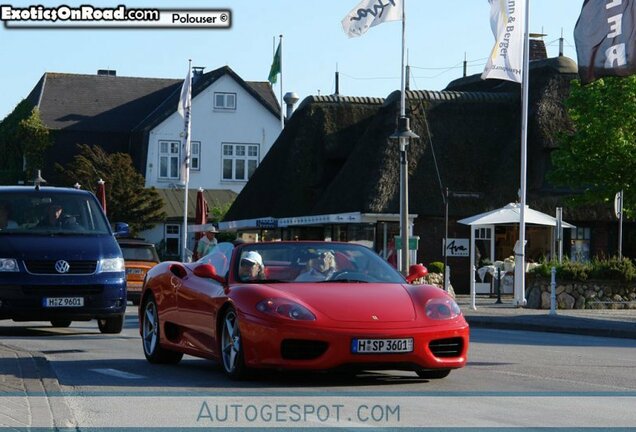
(367, 346)
(53, 302)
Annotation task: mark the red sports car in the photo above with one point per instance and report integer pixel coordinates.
(299, 305)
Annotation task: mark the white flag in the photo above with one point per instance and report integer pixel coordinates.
(185, 110)
(507, 19)
(370, 13)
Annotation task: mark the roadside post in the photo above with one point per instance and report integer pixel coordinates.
(553, 292)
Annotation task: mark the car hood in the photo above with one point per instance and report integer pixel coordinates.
(58, 247)
(355, 302)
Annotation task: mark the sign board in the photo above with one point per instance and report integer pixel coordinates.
(618, 204)
(456, 247)
(413, 242)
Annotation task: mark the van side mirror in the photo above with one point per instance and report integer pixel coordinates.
(208, 271)
(121, 229)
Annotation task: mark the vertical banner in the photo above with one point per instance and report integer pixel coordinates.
(507, 19)
(369, 13)
(605, 38)
(185, 110)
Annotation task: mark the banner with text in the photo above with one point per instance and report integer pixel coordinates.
(605, 38)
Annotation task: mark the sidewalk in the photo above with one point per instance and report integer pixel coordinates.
(619, 323)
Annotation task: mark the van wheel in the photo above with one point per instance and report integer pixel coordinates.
(61, 323)
(111, 325)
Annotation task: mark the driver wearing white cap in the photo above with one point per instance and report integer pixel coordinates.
(251, 267)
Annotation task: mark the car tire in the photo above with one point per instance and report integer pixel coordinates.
(433, 374)
(111, 325)
(151, 336)
(61, 323)
(231, 348)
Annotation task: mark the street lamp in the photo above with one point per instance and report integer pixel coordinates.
(404, 134)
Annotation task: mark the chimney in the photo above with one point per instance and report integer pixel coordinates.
(537, 50)
(290, 99)
(197, 72)
(106, 72)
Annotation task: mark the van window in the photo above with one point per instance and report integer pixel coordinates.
(49, 212)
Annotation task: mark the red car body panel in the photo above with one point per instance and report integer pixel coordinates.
(190, 309)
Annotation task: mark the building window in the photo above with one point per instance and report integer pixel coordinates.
(195, 155)
(173, 239)
(224, 101)
(239, 161)
(169, 155)
(580, 244)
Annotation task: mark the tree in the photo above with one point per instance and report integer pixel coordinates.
(127, 199)
(598, 158)
(23, 141)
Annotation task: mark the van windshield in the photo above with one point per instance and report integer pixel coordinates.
(50, 212)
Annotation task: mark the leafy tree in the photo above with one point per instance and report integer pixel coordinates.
(23, 138)
(598, 158)
(127, 199)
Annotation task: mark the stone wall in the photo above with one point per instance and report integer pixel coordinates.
(591, 294)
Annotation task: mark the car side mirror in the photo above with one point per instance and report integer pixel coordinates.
(121, 229)
(208, 271)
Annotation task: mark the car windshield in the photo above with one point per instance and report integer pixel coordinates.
(51, 212)
(219, 257)
(324, 262)
(139, 253)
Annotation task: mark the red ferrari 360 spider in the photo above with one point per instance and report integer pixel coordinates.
(299, 305)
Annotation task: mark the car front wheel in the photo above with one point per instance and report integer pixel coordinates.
(232, 346)
(61, 323)
(150, 336)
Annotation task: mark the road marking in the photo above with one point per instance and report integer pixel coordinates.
(118, 373)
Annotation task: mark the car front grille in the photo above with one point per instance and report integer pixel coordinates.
(297, 349)
(48, 267)
(445, 348)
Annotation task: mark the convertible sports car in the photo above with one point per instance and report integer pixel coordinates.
(299, 305)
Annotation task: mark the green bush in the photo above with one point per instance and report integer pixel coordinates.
(436, 267)
(599, 268)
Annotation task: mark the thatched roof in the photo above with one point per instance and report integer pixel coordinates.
(335, 154)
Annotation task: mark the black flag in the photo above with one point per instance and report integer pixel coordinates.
(605, 37)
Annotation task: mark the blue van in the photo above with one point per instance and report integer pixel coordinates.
(59, 260)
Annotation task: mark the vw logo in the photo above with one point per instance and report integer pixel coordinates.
(62, 266)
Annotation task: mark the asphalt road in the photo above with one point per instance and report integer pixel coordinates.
(513, 378)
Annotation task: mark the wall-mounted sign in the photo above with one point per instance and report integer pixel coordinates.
(457, 247)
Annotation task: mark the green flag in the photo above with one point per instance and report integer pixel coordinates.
(275, 69)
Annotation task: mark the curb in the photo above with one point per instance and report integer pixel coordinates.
(557, 324)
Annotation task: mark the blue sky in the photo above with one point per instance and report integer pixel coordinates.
(439, 34)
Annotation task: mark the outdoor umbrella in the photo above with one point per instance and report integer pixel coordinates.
(200, 218)
(101, 193)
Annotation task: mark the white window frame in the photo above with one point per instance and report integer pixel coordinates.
(169, 155)
(236, 156)
(176, 236)
(195, 156)
(229, 101)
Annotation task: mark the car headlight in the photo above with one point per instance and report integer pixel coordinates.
(8, 265)
(442, 309)
(110, 265)
(285, 308)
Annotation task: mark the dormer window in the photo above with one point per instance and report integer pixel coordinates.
(224, 101)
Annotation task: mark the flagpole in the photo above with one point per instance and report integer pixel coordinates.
(404, 166)
(520, 259)
(282, 116)
(186, 161)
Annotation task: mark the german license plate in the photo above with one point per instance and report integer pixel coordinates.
(54, 302)
(134, 271)
(371, 346)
